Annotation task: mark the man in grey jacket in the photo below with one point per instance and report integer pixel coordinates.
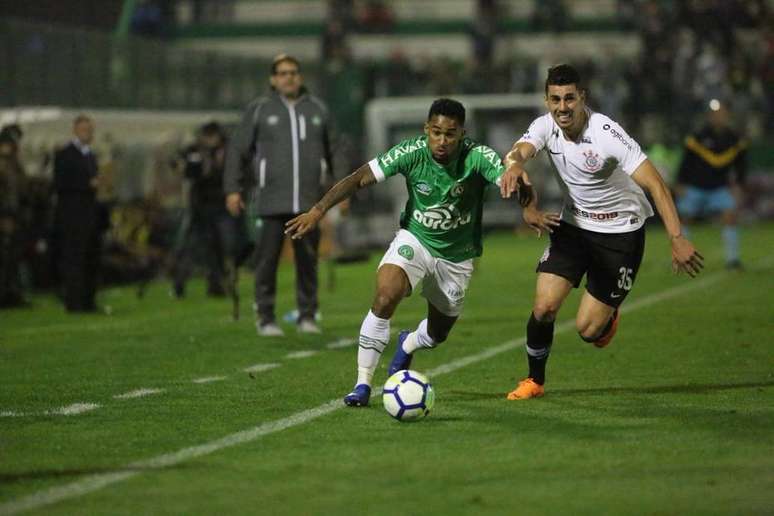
(285, 138)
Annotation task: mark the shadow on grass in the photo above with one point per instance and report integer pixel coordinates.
(656, 389)
(49, 474)
(666, 389)
(446, 419)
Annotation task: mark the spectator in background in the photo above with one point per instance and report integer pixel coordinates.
(151, 18)
(342, 11)
(484, 30)
(766, 73)
(207, 224)
(288, 133)
(12, 180)
(376, 16)
(79, 220)
(552, 15)
(333, 40)
(711, 176)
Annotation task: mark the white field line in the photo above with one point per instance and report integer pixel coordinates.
(302, 354)
(209, 379)
(139, 393)
(68, 410)
(98, 481)
(341, 343)
(257, 368)
(75, 408)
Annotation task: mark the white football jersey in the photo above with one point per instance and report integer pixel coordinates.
(594, 173)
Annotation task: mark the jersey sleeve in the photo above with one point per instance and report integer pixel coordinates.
(398, 160)
(488, 163)
(622, 147)
(537, 134)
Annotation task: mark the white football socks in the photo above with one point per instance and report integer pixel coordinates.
(374, 336)
(418, 338)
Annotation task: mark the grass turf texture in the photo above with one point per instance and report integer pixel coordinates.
(674, 417)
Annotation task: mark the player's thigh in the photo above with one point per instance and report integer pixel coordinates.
(565, 258)
(616, 260)
(392, 282)
(593, 315)
(445, 287)
(550, 292)
(402, 267)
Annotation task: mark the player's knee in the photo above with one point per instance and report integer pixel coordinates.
(545, 311)
(385, 302)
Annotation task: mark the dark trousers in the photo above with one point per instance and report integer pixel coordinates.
(213, 231)
(268, 247)
(10, 282)
(79, 266)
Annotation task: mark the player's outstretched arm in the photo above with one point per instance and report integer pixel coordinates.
(306, 222)
(515, 178)
(685, 257)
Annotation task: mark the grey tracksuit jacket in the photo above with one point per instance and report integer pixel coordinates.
(288, 148)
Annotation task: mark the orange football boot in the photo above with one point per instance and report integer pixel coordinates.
(526, 389)
(605, 339)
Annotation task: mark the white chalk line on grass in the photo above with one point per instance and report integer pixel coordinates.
(258, 368)
(98, 481)
(209, 379)
(343, 342)
(301, 354)
(138, 393)
(68, 410)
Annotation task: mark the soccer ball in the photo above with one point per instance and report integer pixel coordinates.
(408, 395)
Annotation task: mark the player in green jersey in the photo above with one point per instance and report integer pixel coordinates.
(446, 175)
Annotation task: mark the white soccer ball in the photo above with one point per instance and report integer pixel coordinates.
(408, 395)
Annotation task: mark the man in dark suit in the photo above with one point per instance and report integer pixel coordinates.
(78, 219)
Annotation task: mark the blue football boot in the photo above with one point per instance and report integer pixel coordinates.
(359, 396)
(401, 360)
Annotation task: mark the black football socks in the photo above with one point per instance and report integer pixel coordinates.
(540, 335)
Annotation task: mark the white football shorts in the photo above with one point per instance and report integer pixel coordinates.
(443, 282)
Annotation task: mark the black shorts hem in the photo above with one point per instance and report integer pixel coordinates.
(575, 282)
(607, 300)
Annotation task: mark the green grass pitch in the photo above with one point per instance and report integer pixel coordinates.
(676, 416)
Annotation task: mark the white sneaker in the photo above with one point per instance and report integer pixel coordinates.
(307, 326)
(269, 330)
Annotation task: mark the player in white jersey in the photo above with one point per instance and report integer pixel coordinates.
(599, 233)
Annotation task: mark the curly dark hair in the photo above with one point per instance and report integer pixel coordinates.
(448, 108)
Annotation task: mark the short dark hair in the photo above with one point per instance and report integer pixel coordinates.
(448, 108)
(283, 58)
(562, 74)
(13, 131)
(80, 119)
(212, 128)
(7, 139)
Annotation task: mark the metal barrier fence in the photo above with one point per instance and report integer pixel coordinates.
(45, 65)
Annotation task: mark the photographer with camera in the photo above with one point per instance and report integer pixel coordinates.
(206, 222)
